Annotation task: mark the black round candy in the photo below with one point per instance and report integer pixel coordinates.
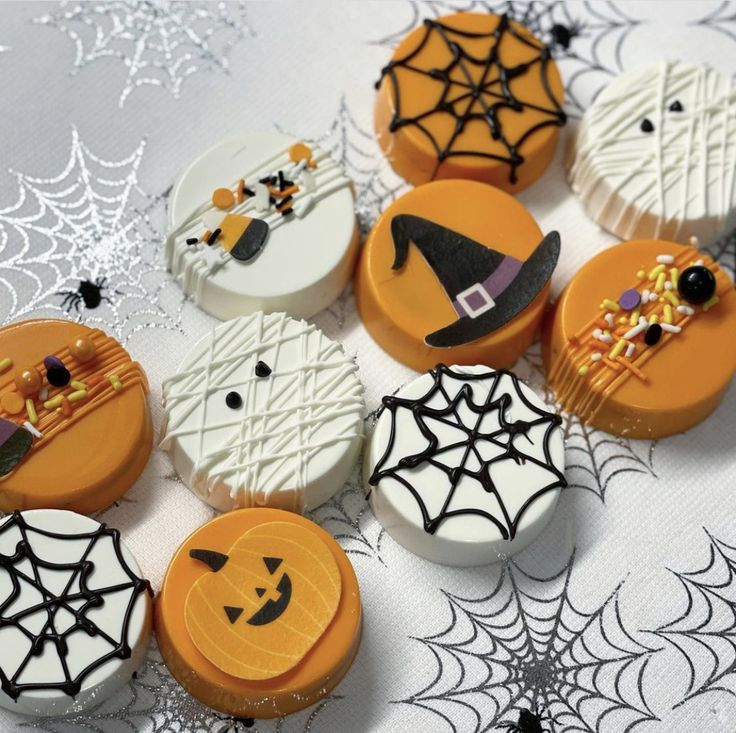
(58, 376)
(676, 106)
(233, 400)
(646, 125)
(696, 284)
(653, 334)
(262, 369)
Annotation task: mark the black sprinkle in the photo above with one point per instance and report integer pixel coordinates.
(282, 184)
(248, 191)
(646, 125)
(653, 334)
(284, 202)
(288, 211)
(192, 240)
(262, 369)
(271, 200)
(676, 106)
(233, 400)
(214, 236)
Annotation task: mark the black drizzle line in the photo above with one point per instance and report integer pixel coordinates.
(420, 410)
(83, 569)
(476, 91)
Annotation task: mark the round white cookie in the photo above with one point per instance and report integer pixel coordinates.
(264, 411)
(465, 465)
(307, 256)
(655, 156)
(75, 612)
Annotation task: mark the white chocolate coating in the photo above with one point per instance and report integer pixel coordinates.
(465, 537)
(83, 648)
(297, 435)
(308, 258)
(674, 182)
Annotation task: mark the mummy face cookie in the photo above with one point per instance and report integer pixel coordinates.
(75, 428)
(455, 271)
(641, 342)
(264, 411)
(465, 465)
(75, 612)
(259, 614)
(656, 153)
(470, 95)
(262, 222)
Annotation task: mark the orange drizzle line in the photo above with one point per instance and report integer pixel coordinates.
(586, 396)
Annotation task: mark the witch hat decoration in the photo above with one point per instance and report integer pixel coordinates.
(486, 288)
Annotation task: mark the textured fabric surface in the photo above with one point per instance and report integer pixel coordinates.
(622, 616)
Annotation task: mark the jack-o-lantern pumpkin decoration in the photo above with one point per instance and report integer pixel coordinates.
(264, 603)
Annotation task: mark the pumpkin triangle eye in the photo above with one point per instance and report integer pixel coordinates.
(233, 613)
(260, 592)
(272, 563)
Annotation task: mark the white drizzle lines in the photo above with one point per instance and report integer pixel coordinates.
(311, 400)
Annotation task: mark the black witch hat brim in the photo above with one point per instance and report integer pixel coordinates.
(533, 275)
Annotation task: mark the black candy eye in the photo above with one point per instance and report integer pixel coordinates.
(696, 284)
(676, 106)
(646, 125)
(233, 400)
(262, 369)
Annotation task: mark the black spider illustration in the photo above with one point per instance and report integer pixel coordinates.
(529, 722)
(90, 293)
(562, 35)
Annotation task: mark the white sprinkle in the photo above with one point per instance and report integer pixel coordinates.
(295, 170)
(635, 331)
(32, 430)
(596, 357)
(653, 297)
(303, 206)
(308, 181)
(212, 258)
(43, 394)
(668, 285)
(665, 259)
(642, 321)
(261, 196)
(630, 349)
(609, 318)
(605, 338)
(686, 309)
(694, 241)
(699, 262)
(645, 295)
(670, 328)
(212, 219)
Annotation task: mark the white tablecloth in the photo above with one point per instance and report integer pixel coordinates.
(623, 614)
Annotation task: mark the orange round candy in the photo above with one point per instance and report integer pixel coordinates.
(299, 152)
(223, 198)
(12, 403)
(28, 380)
(83, 349)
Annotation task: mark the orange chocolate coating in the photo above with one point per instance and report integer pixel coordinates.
(401, 307)
(94, 446)
(662, 389)
(491, 130)
(244, 535)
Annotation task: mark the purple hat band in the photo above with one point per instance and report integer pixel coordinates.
(479, 298)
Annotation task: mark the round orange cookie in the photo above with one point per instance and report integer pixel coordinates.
(75, 428)
(455, 272)
(259, 614)
(470, 95)
(641, 343)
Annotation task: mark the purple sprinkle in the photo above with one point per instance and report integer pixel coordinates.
(629, 299)
(53, 362)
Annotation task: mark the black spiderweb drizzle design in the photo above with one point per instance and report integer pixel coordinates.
(467, 97)
(493, 430)
(526, 650)
(77, 599)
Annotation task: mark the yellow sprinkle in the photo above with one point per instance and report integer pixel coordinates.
(80, 394)
(117, 385)
(623, 320)
(617, 349)
(640, 274)
(634, 319)
(612, 305)
(77, 385)
(667, 313)
(654, 318)
(655, 272)
(53, 402)
(672, 298)
(5, 364)
(661, 299)
(583, 370)
(710, 303)
(674, 276)
(31, 411)
(659, 285)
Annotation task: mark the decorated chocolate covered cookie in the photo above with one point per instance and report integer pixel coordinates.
(75, 613)
(259, 614)
(642, 340)
(75, 428)
(264, 411)
(656, 153)
(465, 465)
(455, 271)
(262, 222)
(470, 95)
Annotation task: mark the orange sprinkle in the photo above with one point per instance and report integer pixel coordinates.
(66, 407)
(240, 192)
(634, 370)
(207, 234)
(93, 380)
(612, 364)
